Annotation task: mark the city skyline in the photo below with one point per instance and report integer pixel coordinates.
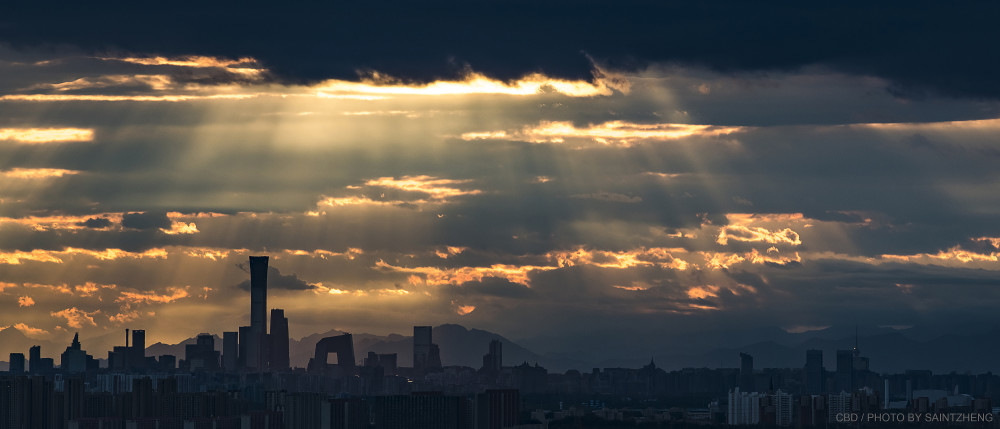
(670, 185)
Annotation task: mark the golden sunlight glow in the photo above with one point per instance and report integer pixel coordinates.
(476, 83)
(36, 173)
(433, 276)
(181, 228)
(46, 135)
(196, 61)
(658, 256)
(173, 294)
(613, 133)
(438, 189)
(954, 255)
(155, 82)
(702, 292)
(100, 97)
(54, 256)
(757, 234)
(54, 222)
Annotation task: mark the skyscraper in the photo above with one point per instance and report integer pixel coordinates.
(845, 371)
(138, 355)
(746, 373)
(814, 372)
(493, 360)
(421, 346)
(35, 359)
(16, 363)
(230, 350)
(278, 360)
(256, 355)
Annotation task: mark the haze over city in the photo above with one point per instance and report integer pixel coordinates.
(700, 178)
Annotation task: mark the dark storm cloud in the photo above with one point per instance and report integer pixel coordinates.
(921, 47)
(95, 222)
(276, 280)
(147, 220)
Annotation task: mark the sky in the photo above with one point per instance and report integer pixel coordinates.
(557, 172)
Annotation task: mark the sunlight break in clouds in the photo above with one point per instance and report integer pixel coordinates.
(46, 135)
(36, 173)
(476, 83)
(613, 133)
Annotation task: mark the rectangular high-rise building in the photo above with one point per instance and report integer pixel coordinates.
(421, 346)
(256, 343)
(814, 372)
(230, 350)
(138, 355)
(746, 373)
(845, 371)
(278, 337)
(16, 363)
(35, 359)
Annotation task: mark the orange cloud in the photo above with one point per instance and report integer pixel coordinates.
(29, 331)
(438, 189)
(703, 292)
(155, 82)
(449, 251)
(124, 316)
(181, 228)
(46, 135)
(76, 318)
(54, 222)
(174, 293)
(36, 173)
(463, 310)
(54, 256)
(25, 301)
(724, 260)
(655, 256)
(350, 254)
(755, 234)
(434, 276)
(954, 254)
(197, 61)
(150, 98)
(994, 241)
(613, 133)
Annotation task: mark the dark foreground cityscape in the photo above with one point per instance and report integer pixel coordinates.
(251, 384)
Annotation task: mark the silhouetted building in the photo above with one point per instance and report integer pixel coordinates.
(746, 373)
(421, 411)
(16, 363)
(422, 339)
(74, 359)
(498, 408)
(35, 359)
(845, 371)
(243, 345)
(278, 337)
(388, 362)
(137, 358)
(256, 353)
(493, 361)
(230, 351)
(202, 354)
(814, 372)
(343, 347)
